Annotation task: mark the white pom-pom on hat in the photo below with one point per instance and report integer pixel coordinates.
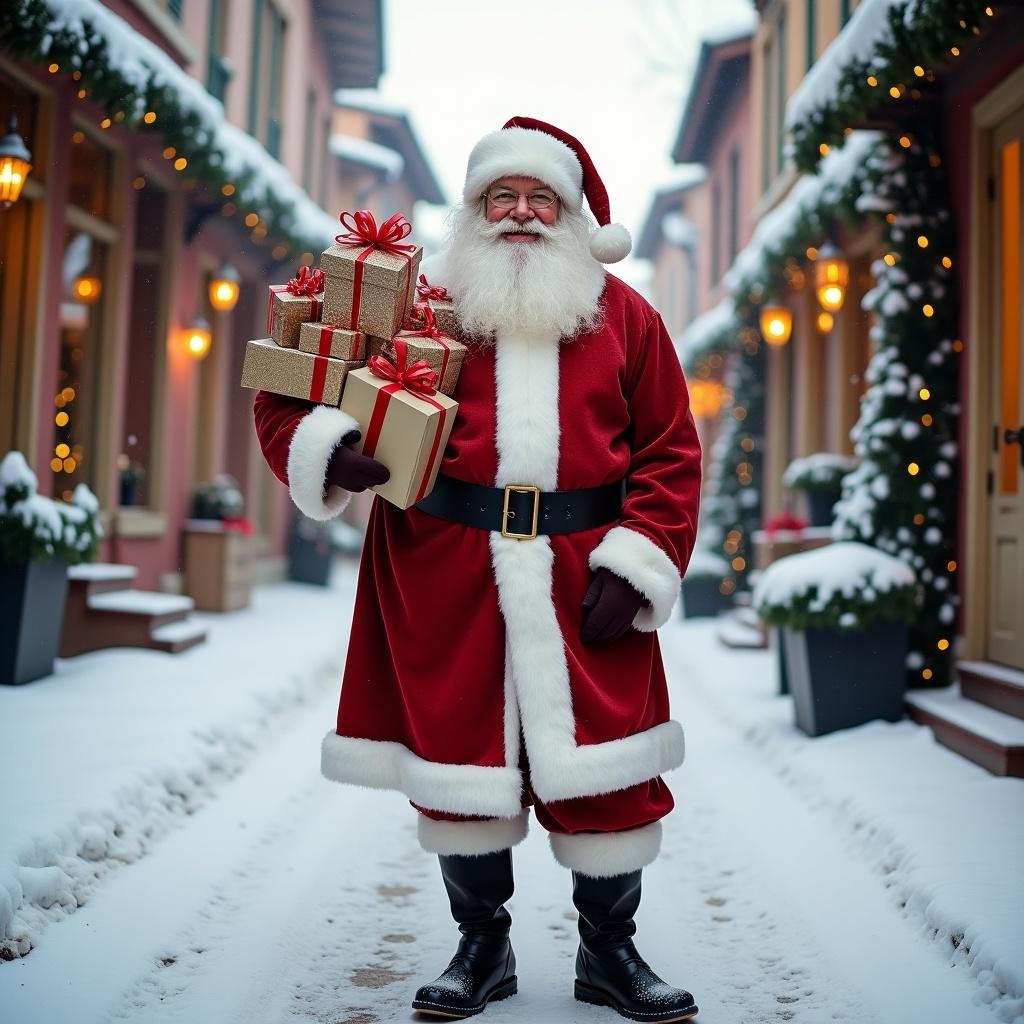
(537, 149)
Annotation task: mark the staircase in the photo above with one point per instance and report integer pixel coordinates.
(104, 611)
(981, 718)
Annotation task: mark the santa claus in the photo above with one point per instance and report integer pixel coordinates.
(503, 651)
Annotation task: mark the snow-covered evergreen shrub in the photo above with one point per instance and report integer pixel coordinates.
(822, 471)
(35, 528)
(218, 499)
(845, 586)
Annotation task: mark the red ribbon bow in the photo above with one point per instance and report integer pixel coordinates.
(363, 230)
(426, 290)
(308, 282)
(418, 378)
(422, 323)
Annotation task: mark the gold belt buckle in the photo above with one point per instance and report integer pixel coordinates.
(522, 489)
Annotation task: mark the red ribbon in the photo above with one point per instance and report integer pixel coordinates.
(363, 230)
(327, 336)
(319, 378)
(426, 290)
(276, 289)
(308, 282)
(419, 379)
(429, 330)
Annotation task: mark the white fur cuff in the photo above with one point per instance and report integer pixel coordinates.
(604, 854)
(472, 838)
(642, 563)
(319, 432)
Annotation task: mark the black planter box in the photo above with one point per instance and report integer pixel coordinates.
(309, 559)
(839, 680)
(779, 647)
(820, 504)
(702, 598)
(32, 595)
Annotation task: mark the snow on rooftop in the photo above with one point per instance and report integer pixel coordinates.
(370, 154)
(138, 60)
(369, 100)
(834, 173)
(735, 23)
(682, 176)
(679, 230)
(857, 41)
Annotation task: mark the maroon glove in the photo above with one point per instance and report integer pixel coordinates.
(352, 471)
(609, 607)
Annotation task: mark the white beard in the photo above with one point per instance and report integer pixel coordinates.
(549, 288)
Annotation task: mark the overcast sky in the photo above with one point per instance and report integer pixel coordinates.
(614, 73)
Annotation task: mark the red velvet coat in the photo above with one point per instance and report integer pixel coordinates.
(463, 641)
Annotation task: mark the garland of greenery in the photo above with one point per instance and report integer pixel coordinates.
(903, 57)
(29, 31)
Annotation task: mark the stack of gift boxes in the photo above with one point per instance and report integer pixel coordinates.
(367, 333)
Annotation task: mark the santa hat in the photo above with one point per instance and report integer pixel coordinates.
(536, 149)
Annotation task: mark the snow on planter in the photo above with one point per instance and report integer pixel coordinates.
(821, 471)
(846, 585)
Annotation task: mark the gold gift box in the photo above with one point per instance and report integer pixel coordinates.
(286, 371)
(444, 358)
(444, 316)
(387, 288)
(287, 313)
(336, 342)
(412, 438)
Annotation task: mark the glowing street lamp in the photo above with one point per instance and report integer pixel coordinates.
(87, 289)
(776, 324)
(198, 339)
(15, 163)
(831, 277)
(224, 289)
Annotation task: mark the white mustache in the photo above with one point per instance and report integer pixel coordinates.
(507, 226)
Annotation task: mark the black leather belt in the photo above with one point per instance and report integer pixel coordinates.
(522, 511)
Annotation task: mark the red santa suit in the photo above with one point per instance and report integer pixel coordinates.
(462, 640)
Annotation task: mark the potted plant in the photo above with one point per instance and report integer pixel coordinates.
(218, 547)
(39, 539)
(702, 585)
(309, 551)
(133, 475)
(843, 611)
(820, 477)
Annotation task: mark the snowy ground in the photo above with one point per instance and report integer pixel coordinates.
(870, 876)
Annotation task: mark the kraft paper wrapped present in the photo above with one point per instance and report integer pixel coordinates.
(370, 275)
(336, 342)
(291, 305)
(405, 424)
(441, 304)
(442, 354)
(285, 371)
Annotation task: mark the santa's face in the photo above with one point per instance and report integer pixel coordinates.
(519, 262)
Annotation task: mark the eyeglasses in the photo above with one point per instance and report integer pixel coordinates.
(505, 198)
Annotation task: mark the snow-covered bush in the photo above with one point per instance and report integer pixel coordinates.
(822, 471)
(35, 528)
(218, 499)
(844, 586)
(706, 565)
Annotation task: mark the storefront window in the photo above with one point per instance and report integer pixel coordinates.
(75, 411)
(90, 176)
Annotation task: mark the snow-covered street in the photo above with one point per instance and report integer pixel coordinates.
(249, 889)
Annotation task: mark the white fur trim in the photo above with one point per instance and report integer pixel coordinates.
(610, 243)
(472, 838)
(527, 371)
(529, 152)
(604, 854)
(319, 432)
(457, 788)
(642, 563)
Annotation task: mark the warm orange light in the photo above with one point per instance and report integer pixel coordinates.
(252, 219)
(228, 190)
(776, 324)
(62, 451)
(928, 309)
(180, 164)
(149, 117)
(913, 469)
(825, 322)
(224, 289)
(831, 277)
(198, 339)
(61, 419)
(706, 398)
(87, 289)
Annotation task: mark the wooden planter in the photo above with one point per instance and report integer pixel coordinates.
(32, 595)
(218, 566)
(701, 598)
(839, 680)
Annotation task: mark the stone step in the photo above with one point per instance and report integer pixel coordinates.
(998, 686)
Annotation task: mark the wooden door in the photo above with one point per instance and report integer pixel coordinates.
(1006, 502)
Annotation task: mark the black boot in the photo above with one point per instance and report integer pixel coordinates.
(484, 966)
(609, 970)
